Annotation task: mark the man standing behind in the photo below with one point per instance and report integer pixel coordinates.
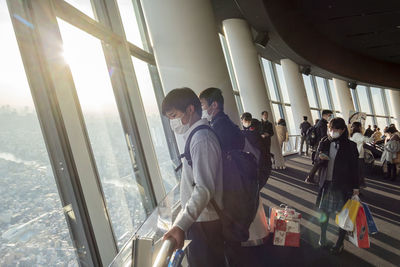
(368, 132)
(200, 182)
(266, 130)
(304, 126)
(321, 130)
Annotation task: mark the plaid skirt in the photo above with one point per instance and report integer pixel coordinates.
(330, 199)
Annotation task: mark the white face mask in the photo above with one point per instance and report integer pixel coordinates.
(178, 127)
(205, 115)
(334, 135)
(246, 124)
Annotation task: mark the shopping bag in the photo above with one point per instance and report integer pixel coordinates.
(359, 237)
(287, 233)
(346, 218)
(372, 229)
(283, 212)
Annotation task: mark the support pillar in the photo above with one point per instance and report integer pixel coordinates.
(297, 93)
(246, 65)
(187, 49)
(395, 102)
(345, 100)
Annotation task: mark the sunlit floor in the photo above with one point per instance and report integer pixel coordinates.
(287, 186)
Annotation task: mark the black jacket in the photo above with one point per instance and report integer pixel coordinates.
(345, 171)
(266, 127)
(368, 132)
(321, 129)
(228, 133)
(304, 126)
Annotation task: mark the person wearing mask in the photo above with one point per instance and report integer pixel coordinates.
(321, 129)
(338, 178)
(266, 130)
(377, 135)
(390, 152)
(357, 137)
(368, 131)
(282, 132)
(200, 183)
(229, 134)
(304, 126)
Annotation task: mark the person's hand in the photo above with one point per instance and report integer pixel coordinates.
(323, 157)
(356, 192)
(177, 234)
(263, 136)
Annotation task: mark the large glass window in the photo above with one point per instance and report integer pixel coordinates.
(310, 91)
(84, 6)
(382, 122)
(355, 99)
(378, 101)
(290, 120)
(388, 101)
(335, 97)
(322, 93)
(282, 83)
(270, 81)
(155, 124)
(363, 99)
(315, 115)
(277, 113)
(369, 121)
(33, 228)
(107, 138)
(128, 17)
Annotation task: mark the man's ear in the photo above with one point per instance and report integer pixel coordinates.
(190, 109)
(214, 105)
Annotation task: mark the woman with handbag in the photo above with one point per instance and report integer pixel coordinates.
(391, 152)
(339, 179)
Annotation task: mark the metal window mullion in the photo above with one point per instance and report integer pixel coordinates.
(385, 106)
(371, 104)
(275, 82)
(316, 92)
(130, 100)
(356, 99)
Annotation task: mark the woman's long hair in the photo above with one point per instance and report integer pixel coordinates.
(355, 128)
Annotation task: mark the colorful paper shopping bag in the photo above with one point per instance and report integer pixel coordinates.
(372, 228)
(346, 218)
(359, 237)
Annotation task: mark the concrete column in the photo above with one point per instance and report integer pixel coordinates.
(345, 100)
(395, 102)
(187, 49)
(297, 93)
(249, 77)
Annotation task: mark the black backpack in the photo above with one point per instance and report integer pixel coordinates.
(311, 136)
(240, 190)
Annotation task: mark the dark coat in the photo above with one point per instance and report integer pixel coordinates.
(321, 129)
(304, 126)
(266, 127)
(228, 133)
(345, 171)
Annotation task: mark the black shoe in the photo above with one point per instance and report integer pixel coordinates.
(322, 244)
(336, 250)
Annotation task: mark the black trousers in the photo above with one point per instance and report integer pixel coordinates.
(324, 222)
(391, 171)
(207, 246)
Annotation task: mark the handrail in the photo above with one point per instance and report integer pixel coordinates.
(164, 255)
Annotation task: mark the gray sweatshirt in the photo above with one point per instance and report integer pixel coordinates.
(206, 176)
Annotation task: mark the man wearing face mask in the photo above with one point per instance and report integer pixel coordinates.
(339, 178)
(212, 103)
(321, 130)
(201, 181)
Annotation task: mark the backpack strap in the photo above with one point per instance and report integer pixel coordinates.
(186, 153)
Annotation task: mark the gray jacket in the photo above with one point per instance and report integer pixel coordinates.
(392, 147)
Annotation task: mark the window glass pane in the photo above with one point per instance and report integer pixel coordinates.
(84, 6)
(388, 101)
(277, 113)
(268, 76)
(282, 83)
(239, 105)
(310, 91)
(228, 63)
(382, 122)
(335, 97)
(33, 229)
(322, 93)
(131, 27)
(363, 97)
(155, 124)
(377, 100)
(290, 121)
(315, 115)
(355, 101)
(95, 93)
(369, 121)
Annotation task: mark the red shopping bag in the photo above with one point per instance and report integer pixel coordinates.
(287, 233)
(359, 237)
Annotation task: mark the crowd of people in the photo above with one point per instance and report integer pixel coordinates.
(337, 155)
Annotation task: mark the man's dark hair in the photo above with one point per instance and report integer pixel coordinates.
(375, 126)
(338, 123)
(282, 122)
(262, 113)
(180, 99)
(391, 130)
(327, 112)
(305, 118)
(369, 126)
(213, 94)
(246, 116)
